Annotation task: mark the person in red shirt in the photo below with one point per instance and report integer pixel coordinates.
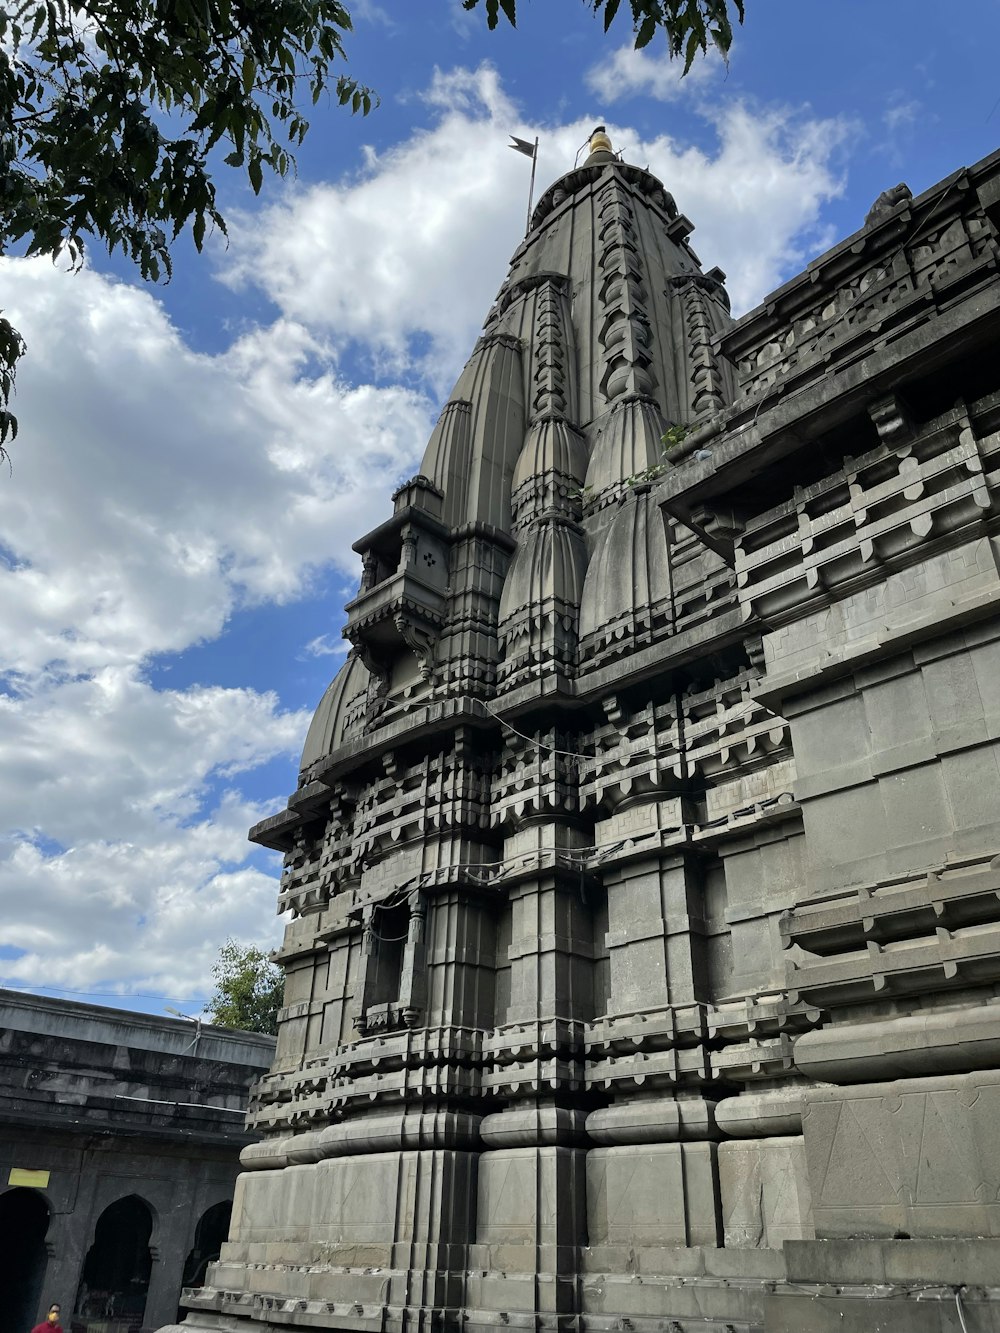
(51, 1324)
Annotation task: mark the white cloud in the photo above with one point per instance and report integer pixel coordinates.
(901, 114)
(109, 756)
(414, 249)
(756, 200)
(900, 120)
(148, 916)
(324, 645)
(651, 73)
(123, 863)
(154, 491)
(157, 490)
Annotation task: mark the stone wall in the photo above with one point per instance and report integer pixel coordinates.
(644, 859)
(98, 1106)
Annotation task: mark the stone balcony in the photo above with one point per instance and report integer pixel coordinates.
(404, 587)
(403, 610)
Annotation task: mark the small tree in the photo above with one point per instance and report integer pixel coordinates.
(249, 989)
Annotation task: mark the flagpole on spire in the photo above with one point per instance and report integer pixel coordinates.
(529, 150)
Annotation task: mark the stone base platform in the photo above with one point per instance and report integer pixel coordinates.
(853, 1286)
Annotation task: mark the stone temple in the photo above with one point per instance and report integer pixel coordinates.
(644, 869)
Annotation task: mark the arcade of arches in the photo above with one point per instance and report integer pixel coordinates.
(119, 1151)
(116, 1269)
(24, 1221)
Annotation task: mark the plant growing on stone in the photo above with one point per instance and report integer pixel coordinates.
(669, 440)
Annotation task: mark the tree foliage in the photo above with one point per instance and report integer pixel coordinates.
(110, 109)
(689, 26)
(249, 989)
(111, 112)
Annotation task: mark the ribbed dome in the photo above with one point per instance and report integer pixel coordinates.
(551, 446)
(629, 572)
(447, 456)
(548, 570)
(539, 608)
(339, 710)
(472, 452)
(630, 442)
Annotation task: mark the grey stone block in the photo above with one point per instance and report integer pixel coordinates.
(531, 1195)
(660, 1194)
(918, 1156)
(765, 1193)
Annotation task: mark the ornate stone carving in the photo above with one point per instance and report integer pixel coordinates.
(677, 795)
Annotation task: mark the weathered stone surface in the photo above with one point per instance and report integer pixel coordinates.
(660, 1194)
(765, 1193)
(661, 788)
(917, 1044)
(531, 1196)
(917, 1157)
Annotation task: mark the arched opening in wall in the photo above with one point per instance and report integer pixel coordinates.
(389, 934)
(111, 1297)
(24, 1220)
(209, 1234)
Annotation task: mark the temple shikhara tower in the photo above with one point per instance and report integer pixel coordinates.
(644, 867)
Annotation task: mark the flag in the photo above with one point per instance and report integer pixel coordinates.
(522, 146)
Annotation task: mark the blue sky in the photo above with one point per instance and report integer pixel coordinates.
(196, 459)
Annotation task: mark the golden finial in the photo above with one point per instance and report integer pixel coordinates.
(599, 141)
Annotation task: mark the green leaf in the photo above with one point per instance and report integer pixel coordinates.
(256, 174)
(249, 989)
(645, 34)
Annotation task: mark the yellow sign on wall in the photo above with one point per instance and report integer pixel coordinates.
(19, 1175)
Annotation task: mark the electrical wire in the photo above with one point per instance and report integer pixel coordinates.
(961, 1312)
(539, 745)
(114, 994)
(470, 698)
(201, 1106)
(733, 715)
(572, 860)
